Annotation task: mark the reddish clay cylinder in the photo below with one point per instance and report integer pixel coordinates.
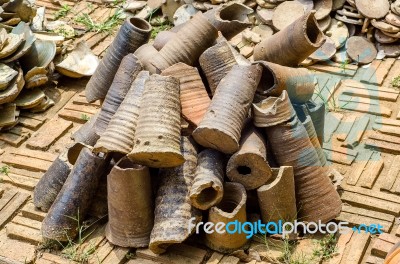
(126, 74)
(249, 166)
(173, 211)
(120, 133)
(132, 34)
(207, 189)
(222, 124)
(230, 19)
(70, 207)
(130, 205)
(231, 208)
(216, 62)
(189, 43)
(193, 95)
(298, 82)
(293, 44)
(158, 131)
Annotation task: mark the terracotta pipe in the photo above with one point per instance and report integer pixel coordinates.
(86, 134)
(133, 33)
(277, 199)
(293, 44)
(317, 113)
(120, 132)
(193, 95)
(231, 208)
(162, 38)
(70, 207)
(145, 54)
(128, 70)
(248, 166)
(230, 19)
(158, 131)
(222, 124)
(173, 211)
(298, 82)
(130, 205)
(207, 189)
(189, 43)
(216, 62)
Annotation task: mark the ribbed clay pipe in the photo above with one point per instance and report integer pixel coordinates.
(158, 131)
(48, 187)
(120, 133)
(188, 44)
(173, 211)
(298, 82)
(162, 38)
(70, 207)
(207, 189)
(86, 134)
(222, 124)
(316, 197)
(128, 70)
(277, 200)
(230, 19)
(293, 44)
(231, 208)
(133, 33)
(317, 113)
(249, 166)
(216, 62)
(145, 53)
(130, 205)
(193, 94)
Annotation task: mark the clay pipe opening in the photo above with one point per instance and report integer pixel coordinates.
(233, 199)
(207, 197)
(126, 163)
(233, 12)
(268, 81)
(140, 24)
(313, 33)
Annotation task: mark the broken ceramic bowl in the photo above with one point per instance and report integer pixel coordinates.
(40, 55)
(28, 40)
(79, 63)
(29, 98)
(36, 77)
(7, 74)
(13, 42)
(9, 94)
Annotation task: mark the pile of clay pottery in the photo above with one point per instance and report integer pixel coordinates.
(190, 128)
(12, 12)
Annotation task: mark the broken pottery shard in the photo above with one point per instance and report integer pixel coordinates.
(385, 27)
(86, 134)
(12, 44)
(317, 113)
(193, 95)
(158, 130)
(173, 211)
(316, 197)
(293, 44)
(187, 45)
(273, 111)
(51, 182)
(45, 104)
(231, 208)
(8, 115)
(286, 13)
(393, 19)
(133, 33)
(323, 8)
(325, 23)
(130, 205)
(222, 124)
(70, 207)
(9, 94)
(361, 50)
(382, 38)
(338, 32)
(183, 14)
(298, 82)
(278, 199)
(120, 133)
(24, 30)
(145, 53)
(216, 62)
(207, 189)
(325, 52)
(230, 19)
(80, 62)
(249, 166)
(6, 75)
(36, 77)
(29, 98)
(39, 55)
(169, 7)
(373, 8)
(126, 74)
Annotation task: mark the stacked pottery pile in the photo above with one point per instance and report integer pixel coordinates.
(173, 147)
(12, 12)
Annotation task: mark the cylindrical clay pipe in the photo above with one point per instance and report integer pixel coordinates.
(222, 124)
(120, 133)
(157, 136)
(193, 95)
(173, 211)
(207, 189)
(189, 43)
(145, 53)
(130, 205)
(231, 208)
(61, 222)
(317, 114)
(277, 200)
(126, 74)
(249, 165)
(293, 44)
(132, 34)
(216, 62)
